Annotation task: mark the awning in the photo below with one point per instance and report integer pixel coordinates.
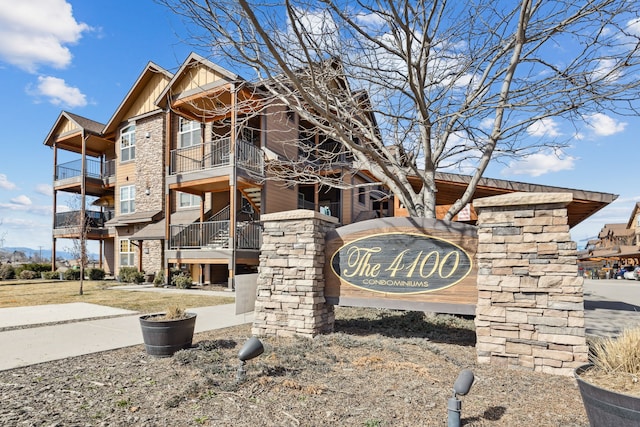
(134, 218)
(154, 231)
(105, 201)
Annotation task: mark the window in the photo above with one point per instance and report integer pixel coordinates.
(186, 200)
(189, 133)
(128, 143)
(127, 199)
(127, 254)
(361, 195)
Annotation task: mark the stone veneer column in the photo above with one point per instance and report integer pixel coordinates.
(530, 310)
(290, 296)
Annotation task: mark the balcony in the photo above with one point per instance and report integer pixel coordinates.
(327, 208)
(67, 224)
(68, 175)
(214, 235)
(215, 154)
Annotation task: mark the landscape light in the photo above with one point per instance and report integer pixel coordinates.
(251, 349)
(460, 388)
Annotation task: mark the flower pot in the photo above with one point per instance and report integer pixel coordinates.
(162, 338)
(606, 407)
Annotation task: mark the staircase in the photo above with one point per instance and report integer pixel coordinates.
(254, 195)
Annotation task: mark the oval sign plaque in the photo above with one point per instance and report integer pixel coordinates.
(401, 263)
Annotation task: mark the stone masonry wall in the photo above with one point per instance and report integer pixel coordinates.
(150, 175)
(530, 310)
(290, 296)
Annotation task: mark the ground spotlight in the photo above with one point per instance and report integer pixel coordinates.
(251, 349)
(460, 388)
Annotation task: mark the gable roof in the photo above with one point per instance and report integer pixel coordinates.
(193, 60)
(68, 131)
(146, 77)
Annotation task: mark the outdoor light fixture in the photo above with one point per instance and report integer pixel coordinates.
(460, 388)
(147, 191)
(251, 349)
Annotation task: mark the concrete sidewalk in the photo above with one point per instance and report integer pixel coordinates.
(23, 347)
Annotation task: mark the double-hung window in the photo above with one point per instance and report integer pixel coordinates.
(127, 253)
(127, 199)
(186, 200)
(128, 143)
(189, 133)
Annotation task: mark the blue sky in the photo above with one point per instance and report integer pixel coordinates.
(83, 56)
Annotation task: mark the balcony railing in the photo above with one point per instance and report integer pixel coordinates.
(214, 235)
(71, 219)
(327, 208)
(215, 154)
(95, 169)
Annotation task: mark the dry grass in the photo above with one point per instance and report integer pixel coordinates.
(618, 355)
(616, 363)
(20, 294)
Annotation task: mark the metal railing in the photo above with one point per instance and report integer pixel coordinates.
(95, 169)
(71, 219)
(214, 154)
(327, 208)
(214, 234)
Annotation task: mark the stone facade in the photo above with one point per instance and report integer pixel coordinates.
(290, 296)
(530, 310)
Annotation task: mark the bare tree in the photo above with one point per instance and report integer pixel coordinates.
(409, 88)
(77, 224)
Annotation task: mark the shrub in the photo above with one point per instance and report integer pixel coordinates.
(72, 274)
(28, 275)
(182, 281)
(38, 267)
(7, 272)
(130, 275)
(51, 275)
(159, 279)
(95, 274)
(618, 355)
(137, 277)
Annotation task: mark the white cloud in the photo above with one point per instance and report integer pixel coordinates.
(5, 184)
(372, 20)
(58, 92)
(37, 32)
(44, 189)
(539, 164)
(604, 125)
(544, 127)
(21, 200)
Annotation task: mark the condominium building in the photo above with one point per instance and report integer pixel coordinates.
(177, 178)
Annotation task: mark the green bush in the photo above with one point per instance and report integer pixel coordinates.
(182, 281)
(72, 274)
(7, 272)
(28, 275)
(51, 275)
(130, 275)
(159, 279)
(95, 274)
(38, 267)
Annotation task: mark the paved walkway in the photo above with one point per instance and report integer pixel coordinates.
(91, 328)
(610, 306)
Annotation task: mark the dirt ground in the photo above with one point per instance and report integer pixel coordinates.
(380, 368)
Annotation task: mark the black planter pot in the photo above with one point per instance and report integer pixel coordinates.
(162, 338)
(605, 407)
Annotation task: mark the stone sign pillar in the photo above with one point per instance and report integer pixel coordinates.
(290, 296)
(530, 310)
